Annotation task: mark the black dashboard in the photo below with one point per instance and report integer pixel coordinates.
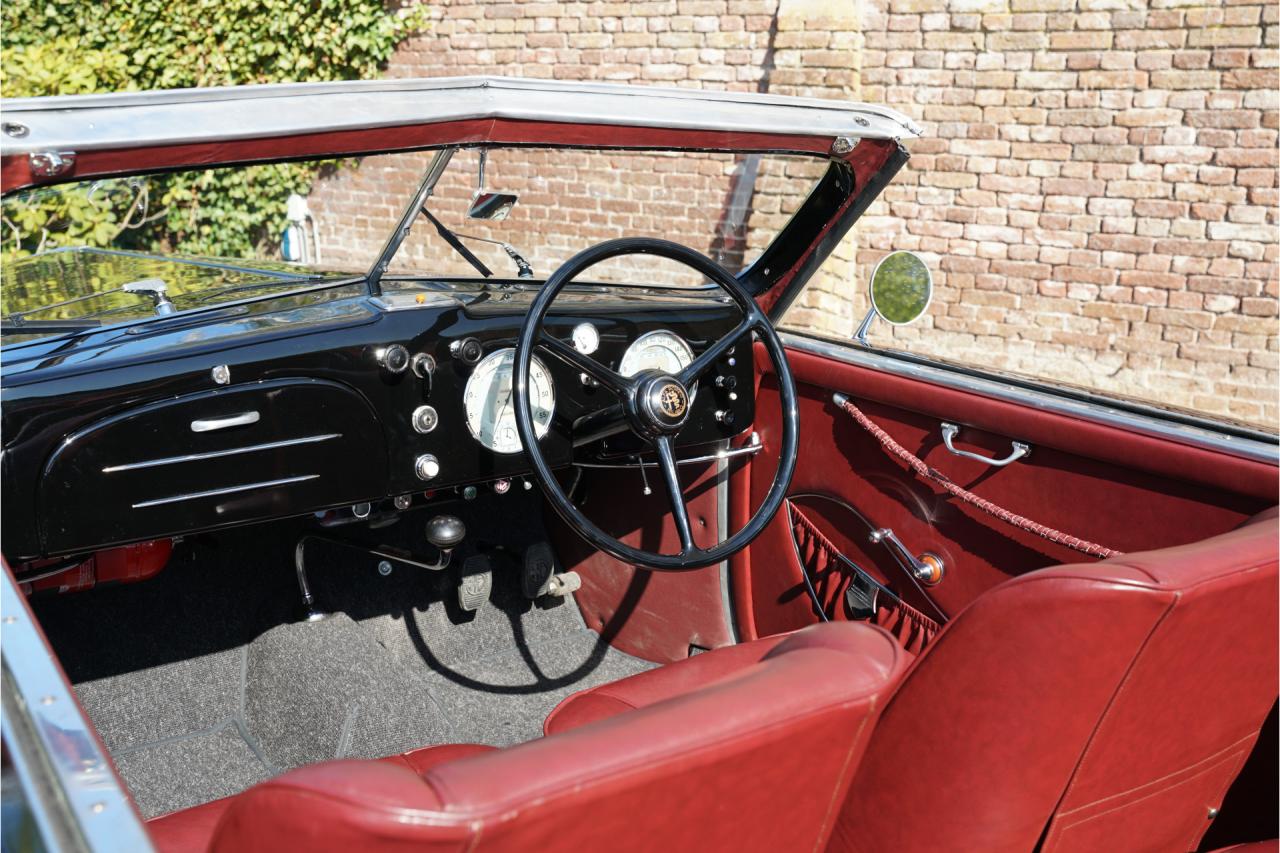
(303, 403)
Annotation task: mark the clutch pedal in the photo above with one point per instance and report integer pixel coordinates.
(476, 583)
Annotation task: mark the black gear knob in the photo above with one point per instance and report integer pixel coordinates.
(445, 531)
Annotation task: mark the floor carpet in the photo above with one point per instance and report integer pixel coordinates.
(204, 680)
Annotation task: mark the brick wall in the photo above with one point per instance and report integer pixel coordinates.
(1096, 190)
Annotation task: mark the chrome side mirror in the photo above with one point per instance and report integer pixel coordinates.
(486, 204)
(901, 290)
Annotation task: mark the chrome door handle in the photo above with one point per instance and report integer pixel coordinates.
(212, 424)
(1020, 450)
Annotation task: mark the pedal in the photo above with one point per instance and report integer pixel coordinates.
(476, 584)
(539, 568)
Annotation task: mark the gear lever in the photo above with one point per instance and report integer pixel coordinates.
(445, 532)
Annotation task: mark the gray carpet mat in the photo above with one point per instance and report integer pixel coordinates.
(203, 681)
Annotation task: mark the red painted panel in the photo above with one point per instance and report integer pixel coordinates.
(15, 172)
(653, 615)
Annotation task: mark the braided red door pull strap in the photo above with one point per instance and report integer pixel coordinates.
(921, 469)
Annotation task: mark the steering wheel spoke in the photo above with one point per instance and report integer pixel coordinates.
(671, 475)
(653, 406)
(716, 351)
(610, 379)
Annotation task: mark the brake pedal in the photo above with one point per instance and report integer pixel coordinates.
(476, 583)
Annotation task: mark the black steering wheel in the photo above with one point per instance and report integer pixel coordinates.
(655, 405)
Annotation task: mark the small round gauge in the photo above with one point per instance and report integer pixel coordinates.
(490, 403)
(586, 338)
(660, 350)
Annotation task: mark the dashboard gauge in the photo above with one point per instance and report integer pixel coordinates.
(586, 338)
(490, 403)
(660, 350)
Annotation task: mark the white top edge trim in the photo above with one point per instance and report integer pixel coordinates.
(144, 119)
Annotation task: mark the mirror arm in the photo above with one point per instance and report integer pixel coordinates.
(860, 336)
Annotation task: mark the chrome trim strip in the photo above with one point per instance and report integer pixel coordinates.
(216, 454)
(722, 527)
(215, 424)
(1152, 425)
(62, 767)
(229, 490)
(750, 449)
(145, 119)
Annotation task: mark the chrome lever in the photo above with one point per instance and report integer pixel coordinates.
(1020, 450)
(212, 424)
(928, 568)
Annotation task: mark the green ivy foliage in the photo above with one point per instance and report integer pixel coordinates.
(54, 47)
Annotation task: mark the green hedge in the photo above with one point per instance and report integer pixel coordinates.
(77, 47)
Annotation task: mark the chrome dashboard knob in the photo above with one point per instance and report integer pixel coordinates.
(425, 419)
(394, 359)
(427, 467)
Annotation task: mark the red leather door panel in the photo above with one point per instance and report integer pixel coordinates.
(1121, 489)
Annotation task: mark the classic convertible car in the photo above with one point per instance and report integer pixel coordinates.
(495, 507)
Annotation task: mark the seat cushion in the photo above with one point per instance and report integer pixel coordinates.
(655, 685)
(187, 830)
(700, 770)
(191, 829)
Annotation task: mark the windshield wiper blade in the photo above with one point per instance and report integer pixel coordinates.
(452, 239)
(523, 268)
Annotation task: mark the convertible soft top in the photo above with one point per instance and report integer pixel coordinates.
(112, 134)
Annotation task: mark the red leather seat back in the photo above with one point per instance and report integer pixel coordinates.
(1103, 706)
(757, 760)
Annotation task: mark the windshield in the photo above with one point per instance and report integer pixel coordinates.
(85, 254)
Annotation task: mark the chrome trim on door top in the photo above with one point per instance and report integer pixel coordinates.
(1138, 418)
(76, 798)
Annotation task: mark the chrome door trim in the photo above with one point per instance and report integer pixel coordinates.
(75, 796)
(229, 490)
(215, 454)
(1149, 422)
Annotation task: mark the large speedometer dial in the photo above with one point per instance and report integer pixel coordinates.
(490, 404)
(660, 350)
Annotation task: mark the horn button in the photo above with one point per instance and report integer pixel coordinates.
(662, 404)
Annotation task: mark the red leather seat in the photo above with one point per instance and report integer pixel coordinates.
(756, 756)
(1091, 707)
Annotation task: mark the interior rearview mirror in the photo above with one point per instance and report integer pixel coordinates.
(490, 205)
(487, 204)
(901, 290)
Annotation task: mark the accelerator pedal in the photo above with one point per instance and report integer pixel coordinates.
(540, 576)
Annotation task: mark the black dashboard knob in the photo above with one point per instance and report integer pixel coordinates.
(394, 359)
(467, 350)
(445, 531)
(727, 382)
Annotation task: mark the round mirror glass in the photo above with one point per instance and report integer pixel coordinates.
(901, 287)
